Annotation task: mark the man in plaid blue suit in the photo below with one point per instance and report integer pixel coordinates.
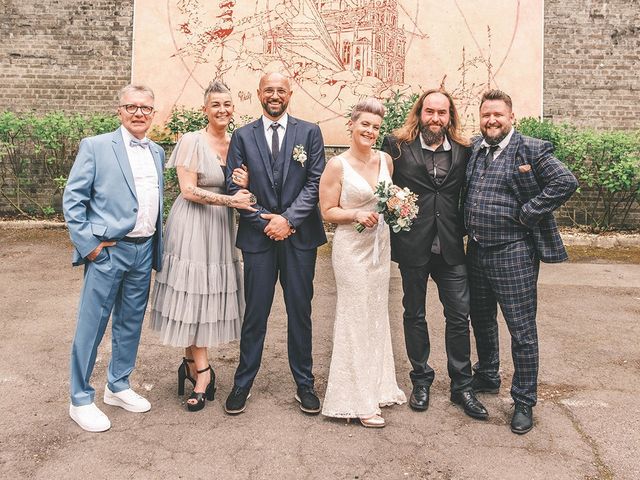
(513, 185)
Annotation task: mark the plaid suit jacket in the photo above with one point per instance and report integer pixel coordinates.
(540, 183)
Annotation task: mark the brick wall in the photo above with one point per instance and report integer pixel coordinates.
(592, 58)
(64, 54)
(77, 54)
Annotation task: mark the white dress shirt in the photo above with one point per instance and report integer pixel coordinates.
(282, 129)
(501, 146)
(145, 178)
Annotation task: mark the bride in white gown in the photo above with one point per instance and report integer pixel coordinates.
(362, 374)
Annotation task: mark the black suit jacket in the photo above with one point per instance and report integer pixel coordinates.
(439, 207)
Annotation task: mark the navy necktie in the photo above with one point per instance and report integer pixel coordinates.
(275, 141)
(488, 158)
(134, 142)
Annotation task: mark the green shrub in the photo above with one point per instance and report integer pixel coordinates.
(397, 108)
(184, 120)
(607, 165)
(36, 154)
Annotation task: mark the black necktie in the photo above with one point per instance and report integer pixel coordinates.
(488, 158)
(275, 141)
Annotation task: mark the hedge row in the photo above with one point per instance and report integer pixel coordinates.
(36, 154)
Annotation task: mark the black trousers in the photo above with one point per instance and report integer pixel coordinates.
(453, 290)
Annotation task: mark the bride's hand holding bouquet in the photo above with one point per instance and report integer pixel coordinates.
(397, 205)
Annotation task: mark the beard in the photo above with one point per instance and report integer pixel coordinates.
(496, 139)
(430, 137)
(275, 110)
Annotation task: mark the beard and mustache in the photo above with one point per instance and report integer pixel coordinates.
(429, 136)
(276, 109)
(497, 138)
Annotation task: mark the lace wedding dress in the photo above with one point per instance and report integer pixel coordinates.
(362, 374)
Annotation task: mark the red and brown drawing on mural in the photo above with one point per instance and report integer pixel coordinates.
(338, 51)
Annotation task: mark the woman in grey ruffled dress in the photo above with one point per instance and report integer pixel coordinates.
(198, 299)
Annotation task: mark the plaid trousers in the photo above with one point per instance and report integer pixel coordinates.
(506, 275)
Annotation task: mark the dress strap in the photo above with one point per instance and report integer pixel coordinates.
(384, 170)
(383, 174)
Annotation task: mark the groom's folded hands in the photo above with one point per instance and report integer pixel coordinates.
(278, 227)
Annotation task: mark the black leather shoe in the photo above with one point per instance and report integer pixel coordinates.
(481, 385)
(522, 420)
(308, 400)
(237, 400)
(471, 405)
(419, 399)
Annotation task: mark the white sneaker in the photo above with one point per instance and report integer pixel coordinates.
(127, 399)
(90, 418)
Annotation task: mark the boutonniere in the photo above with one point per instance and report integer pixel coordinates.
(299, 155)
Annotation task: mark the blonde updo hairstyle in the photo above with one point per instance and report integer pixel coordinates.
(367, 105)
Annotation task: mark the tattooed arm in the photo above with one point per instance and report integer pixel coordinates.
(190, 191)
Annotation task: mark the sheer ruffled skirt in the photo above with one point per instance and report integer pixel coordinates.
(198, 297)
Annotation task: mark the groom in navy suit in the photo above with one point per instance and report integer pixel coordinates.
(113, 207)
(285, 158)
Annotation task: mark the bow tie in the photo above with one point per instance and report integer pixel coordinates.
(144, 143)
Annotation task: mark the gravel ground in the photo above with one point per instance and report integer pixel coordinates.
(587, 419)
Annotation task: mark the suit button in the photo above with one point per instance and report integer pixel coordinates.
(135, 210)
(437, 193)
(437, 214)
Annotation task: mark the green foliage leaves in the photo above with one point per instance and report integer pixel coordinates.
(36, 154)
(397, 108)
(607, 165)
(184, 120)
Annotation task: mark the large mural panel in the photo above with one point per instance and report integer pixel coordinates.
(338, 51)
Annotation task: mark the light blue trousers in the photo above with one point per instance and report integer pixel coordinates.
(116, 284)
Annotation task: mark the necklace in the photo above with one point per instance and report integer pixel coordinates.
(365, 161)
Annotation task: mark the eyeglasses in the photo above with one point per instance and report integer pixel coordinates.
(133, 109)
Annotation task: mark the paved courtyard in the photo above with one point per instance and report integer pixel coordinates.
(587, 419)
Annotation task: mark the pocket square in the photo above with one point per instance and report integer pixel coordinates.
(524, 168)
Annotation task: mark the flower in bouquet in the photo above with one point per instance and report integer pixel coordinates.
(397, 206)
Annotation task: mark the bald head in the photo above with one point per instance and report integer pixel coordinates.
(274, 92)
(274, 76)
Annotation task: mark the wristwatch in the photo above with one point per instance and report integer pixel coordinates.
(293, 229)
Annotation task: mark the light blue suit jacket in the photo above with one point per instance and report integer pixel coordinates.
(99, 201)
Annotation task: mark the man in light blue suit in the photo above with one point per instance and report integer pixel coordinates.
(113, 208)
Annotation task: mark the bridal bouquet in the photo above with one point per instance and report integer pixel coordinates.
(397, 205)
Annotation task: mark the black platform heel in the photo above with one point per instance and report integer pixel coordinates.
(184, 374)
(200, 397)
